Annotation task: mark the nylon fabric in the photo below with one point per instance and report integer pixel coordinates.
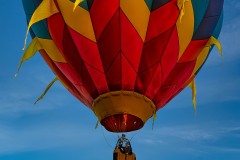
(38, 44)
(46, 90)
(138, 14)
(192, 85)
(44, 10)
(109, 10)
(185, 26)
(77, 68)
(77, 2)
(168, 14)
(210, 20)
(142, 46)
(205, 52)
(79, 94)
(76, 19)
(149, 4)
(158, 3)
(181, 6)
(199, 7)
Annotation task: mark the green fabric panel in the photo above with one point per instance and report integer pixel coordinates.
(40, 29)
(149, 3)
(218, 28)
(28, 6)
(199, 8)
(82, 4)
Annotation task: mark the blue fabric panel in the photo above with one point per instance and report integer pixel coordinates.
(218, 28)
(199, 8)
(210, 20)
(216, 35)
(215, 8)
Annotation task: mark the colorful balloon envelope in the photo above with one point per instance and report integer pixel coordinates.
(124, 59)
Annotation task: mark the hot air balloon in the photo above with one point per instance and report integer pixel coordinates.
(124, 59)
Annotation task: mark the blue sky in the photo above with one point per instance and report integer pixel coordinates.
(60, 127)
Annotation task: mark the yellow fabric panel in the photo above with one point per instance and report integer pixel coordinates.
(185, 25)
(214, 41)
(47, 89)
(138, 14)
(118, 102)
(30, 52)
(77, 2)
(192, 85)
(204, 53)
(201, 59)
(51, 49)
(38, 44)
(79, 20)
(44, 10)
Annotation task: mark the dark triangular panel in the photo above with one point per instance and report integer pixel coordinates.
(158, 3)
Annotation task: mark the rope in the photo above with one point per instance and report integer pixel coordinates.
(106, 139)
(133, 136)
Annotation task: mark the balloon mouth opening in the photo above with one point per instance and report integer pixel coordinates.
(122, 123)
(123, 111)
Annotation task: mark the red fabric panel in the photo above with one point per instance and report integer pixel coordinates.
(189, 81)
(179, 89)
(155, 84)
(129, 75)
(174, 1)
(170, 55)
(110, 42)
(122, 123)
(131, 42)
(56, 25)
(89, 53)
(173, 95)
(176, 92)
(163, 94)
(88, 82)
(175, 81)
(101, 12)
(185, 75)
(162, 19)
(87, 49)
(73, 77)
(85, 94)
(144, 79)
(75, 68)
(193, 50)
(69, 73)
(85, 100)
(154, 49)
(114, 74)
(180, 72)
(98, 78)
(64, 42)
